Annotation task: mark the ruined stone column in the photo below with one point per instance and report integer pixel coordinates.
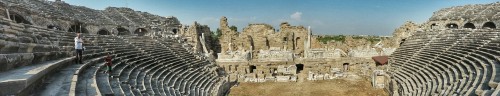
(202, 41)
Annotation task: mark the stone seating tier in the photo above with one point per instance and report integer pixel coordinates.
(459, 62)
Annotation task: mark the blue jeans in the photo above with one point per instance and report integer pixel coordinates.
(79, 57)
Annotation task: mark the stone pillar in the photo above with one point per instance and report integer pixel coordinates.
(308, 42)
(8, 14)
(202, 41)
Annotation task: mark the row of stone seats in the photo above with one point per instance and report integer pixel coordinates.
(19, 43)
(27, 56)
(117, 17)
(143, 69)
(133, 15)
(459, 62)
(175, 83)
(430, 51)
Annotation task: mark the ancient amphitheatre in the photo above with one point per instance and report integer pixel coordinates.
(456, 52)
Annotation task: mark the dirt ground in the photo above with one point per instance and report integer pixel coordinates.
(337, 87)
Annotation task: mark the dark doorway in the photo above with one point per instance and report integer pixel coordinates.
(122, 31)
(103, 32)
(18, 19)
(346, 67)
(252, 67)
(490, 25)
(297, 40)
(140, 31)
(175, 31)
(78, 28)
(452, 26)
(300, 67)
(402, 41)
(434, 26)
(469, 25)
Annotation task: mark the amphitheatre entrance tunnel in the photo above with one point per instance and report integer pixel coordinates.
(18, 19)
(79, 28)
(122, 31)
(140, 31)
(469, 25)
(103, 32)
(490, 25)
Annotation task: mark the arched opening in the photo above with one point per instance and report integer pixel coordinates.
(402, 41)
(18, 19)
(175, 31)
(297, 43)
(346, 67)
(140, 31)
(434, 26)
(300, 67)
(452, 26)
(103, 32)
(490, 25)
(267, 43)
(251, 42)
(252, 68)
(122, 31)
(78, 28)
(469, 25)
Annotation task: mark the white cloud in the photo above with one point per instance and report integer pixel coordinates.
(296, 16)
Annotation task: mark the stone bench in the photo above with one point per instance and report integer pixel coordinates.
(22, 81)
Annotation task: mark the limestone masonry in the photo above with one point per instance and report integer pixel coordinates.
(456, 52)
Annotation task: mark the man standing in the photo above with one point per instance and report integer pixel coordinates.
(79, 48)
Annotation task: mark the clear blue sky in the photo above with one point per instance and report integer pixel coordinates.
(349, 17)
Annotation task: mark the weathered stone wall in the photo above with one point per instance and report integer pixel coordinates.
(193, 35)
(259, 52)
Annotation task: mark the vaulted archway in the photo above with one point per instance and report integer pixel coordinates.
(469, 25)
(490, 25)
(452, 26)
(78, 28)
(434, 26)
(18, 19)
(122, 31)
(175, 31)
(103, 32)
(140, 31)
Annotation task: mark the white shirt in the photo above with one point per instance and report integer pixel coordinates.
(78, 43)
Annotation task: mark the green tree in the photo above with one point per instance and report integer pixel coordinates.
(234, 28)
(216, 34)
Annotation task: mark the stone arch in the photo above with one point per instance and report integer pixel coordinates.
(18, 18)
(490, 25)
(469, 25)
(300, 67)
(175, 31)
(346, 66)
(140, 31)
(452, 25)
(252, 68)
(78, 27)
(103, 32)
(122, 31)
(434, 26)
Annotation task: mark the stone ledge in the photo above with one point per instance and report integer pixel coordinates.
(14, 82)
